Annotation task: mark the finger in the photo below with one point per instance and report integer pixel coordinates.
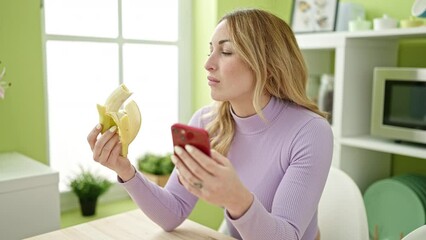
(93, 135)
(202, 159)
(116, 151)
(178, 174)
(190, 186)
(184, 173)
(108, 149)
(99, 145)
(192, 164)
(181, 169)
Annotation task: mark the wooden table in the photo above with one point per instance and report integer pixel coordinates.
(131, 225)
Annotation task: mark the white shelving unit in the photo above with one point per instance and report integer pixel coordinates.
(354, 56)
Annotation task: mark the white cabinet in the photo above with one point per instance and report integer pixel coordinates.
(29, 197)
(354, 55)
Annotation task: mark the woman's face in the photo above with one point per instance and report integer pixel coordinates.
(229, 77)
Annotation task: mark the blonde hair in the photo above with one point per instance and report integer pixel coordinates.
(267, 44)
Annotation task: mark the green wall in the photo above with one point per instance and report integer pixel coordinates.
(205, 15)
(22, 113)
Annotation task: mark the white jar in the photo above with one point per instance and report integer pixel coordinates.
(385, 22)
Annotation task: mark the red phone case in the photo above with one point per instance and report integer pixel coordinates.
(183, 134)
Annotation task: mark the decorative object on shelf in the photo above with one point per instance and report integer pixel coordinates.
(88, 186)
(156, 167)
(314, 15)
(325, 95)
(3, 84)
(347, 12)
(419, 8)
(384, 22)
(359, 24)
(411, 22)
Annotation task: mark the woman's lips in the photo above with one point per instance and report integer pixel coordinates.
(213, 81)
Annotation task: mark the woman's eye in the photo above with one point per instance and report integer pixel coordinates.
(224, 53)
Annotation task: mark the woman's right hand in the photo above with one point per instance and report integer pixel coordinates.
(106, 151)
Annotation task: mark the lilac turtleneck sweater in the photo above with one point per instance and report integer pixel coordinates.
(284, 163)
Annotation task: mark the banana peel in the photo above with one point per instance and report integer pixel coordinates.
(128, 120)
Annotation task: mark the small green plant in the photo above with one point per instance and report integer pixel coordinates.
(89, 186)
(156, 164)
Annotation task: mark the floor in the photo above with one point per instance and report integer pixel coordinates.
(203, 213)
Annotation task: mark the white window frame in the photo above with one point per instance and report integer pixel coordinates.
(68, 200)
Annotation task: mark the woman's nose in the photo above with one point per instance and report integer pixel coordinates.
(210, 65)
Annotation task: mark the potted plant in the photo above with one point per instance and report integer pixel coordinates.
(156, 167)
(88, 186)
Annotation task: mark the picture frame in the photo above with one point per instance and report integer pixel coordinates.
(314, 15)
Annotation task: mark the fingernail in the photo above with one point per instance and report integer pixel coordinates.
(177, 171)
(189, 148)
(99, 126)
(174, 160)
(178, 150)
(113, 128)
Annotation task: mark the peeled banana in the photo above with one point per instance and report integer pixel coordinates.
(127, 120)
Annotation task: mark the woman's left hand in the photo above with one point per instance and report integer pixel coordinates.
(212, 179)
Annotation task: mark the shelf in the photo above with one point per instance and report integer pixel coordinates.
(320, 40)
(390, 33)
(337, 39)
(381, 145)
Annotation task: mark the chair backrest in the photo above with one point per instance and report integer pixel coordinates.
(341, 210)
(417, 234)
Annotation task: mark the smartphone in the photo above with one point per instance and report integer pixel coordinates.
(183, 134)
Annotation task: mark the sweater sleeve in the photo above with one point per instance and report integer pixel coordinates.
(297, 195)
(168, 206)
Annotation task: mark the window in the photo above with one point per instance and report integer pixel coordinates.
(91, 46)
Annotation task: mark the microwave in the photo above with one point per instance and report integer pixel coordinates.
(399, 104)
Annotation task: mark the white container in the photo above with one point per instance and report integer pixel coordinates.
(29, 197)
(385, 22)
(359, 25)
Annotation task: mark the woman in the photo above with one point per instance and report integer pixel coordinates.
(272, 146)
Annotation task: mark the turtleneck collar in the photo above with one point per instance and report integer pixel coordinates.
(255, 124)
